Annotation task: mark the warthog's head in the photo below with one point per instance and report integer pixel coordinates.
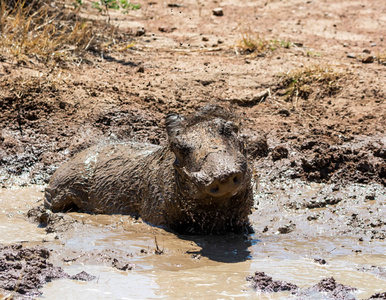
(210, 158)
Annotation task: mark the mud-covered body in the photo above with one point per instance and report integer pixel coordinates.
(197, 192)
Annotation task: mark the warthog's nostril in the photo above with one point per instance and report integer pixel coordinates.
(236, 179)
(214, 190)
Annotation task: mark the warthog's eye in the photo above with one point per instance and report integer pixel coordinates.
(182, 148)
(228, 128)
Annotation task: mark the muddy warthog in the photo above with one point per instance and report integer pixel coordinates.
(200, 183)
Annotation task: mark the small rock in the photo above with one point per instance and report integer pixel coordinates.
(205, 39)
(320, 261)
(351, 55)
(370, 197)
(218, 12)
(287, 228)
(121, 265)
(279, 152)
(83, 276)
(284, 112)
(174, 5)
(373, 44)
(140, 31)
(62, 104)
(166, 29)
(368, 60)
(141, 69)
(220, 42)
(205, 82)
(336, 187)
(367, 51)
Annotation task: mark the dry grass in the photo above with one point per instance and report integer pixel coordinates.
(30, 31)
(300, 83)
(51, 34)
(251, 43)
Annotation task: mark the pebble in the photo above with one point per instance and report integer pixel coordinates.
(140, 32)
(368, 60)
(218, 12)
(167, 29)
(351, 55)
(284, 112)
(367, 51)
(174, 5)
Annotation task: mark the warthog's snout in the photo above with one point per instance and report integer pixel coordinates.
(221, 174)
(227, 185)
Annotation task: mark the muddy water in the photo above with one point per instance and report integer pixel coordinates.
(190, 267)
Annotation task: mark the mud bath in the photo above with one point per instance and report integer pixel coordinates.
(317, 150)
(121, 252)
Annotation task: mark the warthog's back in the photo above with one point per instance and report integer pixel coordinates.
(103, 179)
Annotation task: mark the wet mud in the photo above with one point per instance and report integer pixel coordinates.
(129, 256)
(23, 271)
(263, 283)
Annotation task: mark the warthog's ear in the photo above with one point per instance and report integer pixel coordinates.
(174, 124)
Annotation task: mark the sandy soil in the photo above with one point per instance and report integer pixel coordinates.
(318, 153)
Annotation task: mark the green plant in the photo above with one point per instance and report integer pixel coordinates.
(106, 5)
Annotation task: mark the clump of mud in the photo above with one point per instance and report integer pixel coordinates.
(379, 296)
(378, 271)
(361, 165)
(330, 290)
(108, 257)
(52, 222)
(327, 288)
(25, 270)
(264, 283)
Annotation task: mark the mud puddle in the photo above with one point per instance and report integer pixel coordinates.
(132, 260)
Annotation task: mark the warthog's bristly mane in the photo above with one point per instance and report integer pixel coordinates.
(208, 112)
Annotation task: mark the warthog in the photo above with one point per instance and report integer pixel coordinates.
(200, 183)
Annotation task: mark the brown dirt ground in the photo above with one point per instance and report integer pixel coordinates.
(50, 111)
(332, 131)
